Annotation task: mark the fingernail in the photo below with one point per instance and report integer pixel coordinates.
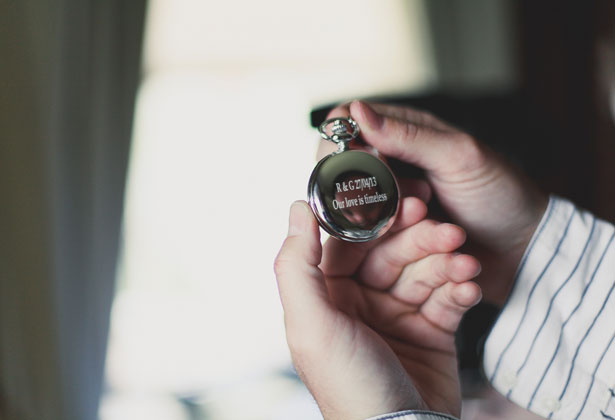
(373, 119)
(478, 270)
(298, 220)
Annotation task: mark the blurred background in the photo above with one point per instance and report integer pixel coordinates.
(150, 150)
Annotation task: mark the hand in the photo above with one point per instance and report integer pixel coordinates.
(371, 326)
(497, 205)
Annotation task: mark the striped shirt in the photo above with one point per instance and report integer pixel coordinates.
(552, 348)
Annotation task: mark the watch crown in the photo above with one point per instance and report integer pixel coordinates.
(339, 128)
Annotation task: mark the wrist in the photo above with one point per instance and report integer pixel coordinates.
(414, 415)
(510, 259)
(406, 400)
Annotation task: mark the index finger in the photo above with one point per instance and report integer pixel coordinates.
(341, 258)
(425, 146)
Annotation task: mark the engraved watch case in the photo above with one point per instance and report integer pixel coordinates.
(352, 192)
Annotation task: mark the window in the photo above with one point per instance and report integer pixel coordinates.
(222, 145)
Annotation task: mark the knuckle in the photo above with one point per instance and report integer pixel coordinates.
(409, 130)
(433, 121)
(424, 230)
(454, 235)
(440, 269)
(281, 264)
(470, 151)
(429, 118)
(422, 236)
(429, 223)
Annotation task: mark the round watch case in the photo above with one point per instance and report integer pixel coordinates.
(353, 193)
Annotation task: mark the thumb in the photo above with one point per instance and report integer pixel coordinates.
(300, 282)
(424, 146)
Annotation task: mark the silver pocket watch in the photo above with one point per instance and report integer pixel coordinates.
(352, 191)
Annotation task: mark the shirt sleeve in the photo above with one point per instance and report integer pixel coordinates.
(414, 415)
(551, 349)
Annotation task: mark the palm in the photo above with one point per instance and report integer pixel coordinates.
(400, 331)
(370, 326)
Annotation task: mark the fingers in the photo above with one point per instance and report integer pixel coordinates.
(440, 315)
(412, 115)
(411, 211)
(341, 258)
(384, 264)
(409, 187)
(415, 139)
(419, 279)
(300, 282)
(447, 304)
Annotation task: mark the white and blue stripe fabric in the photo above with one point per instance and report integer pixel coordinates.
(552, 349)
(413, 415)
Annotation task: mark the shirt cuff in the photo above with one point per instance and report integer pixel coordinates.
(414, 415)
(543, 352)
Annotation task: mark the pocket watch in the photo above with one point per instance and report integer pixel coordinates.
(352, 191)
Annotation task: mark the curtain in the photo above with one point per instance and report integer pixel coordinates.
(68, 75)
